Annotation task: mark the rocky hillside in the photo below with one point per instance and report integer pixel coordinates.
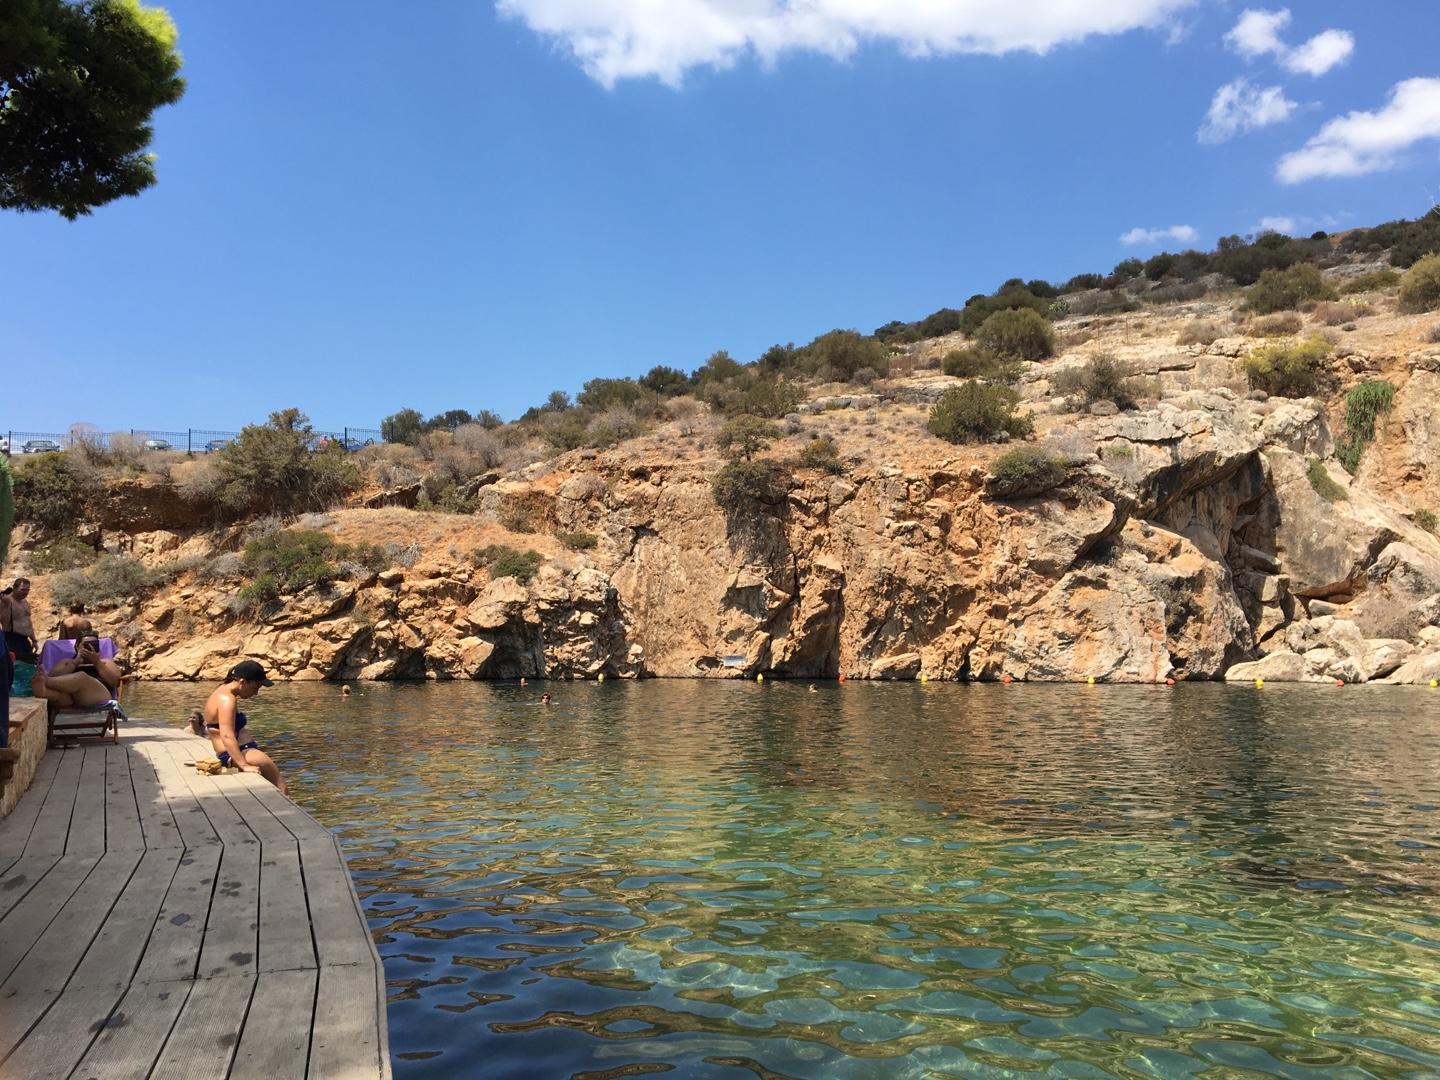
(1209, 532)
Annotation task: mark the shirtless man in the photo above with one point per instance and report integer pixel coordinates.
(15, 619)
(75, 625)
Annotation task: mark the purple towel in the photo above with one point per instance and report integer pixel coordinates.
(55, 650)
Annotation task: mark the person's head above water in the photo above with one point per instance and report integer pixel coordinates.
(545, 698)
(250, 676)
(345, 691)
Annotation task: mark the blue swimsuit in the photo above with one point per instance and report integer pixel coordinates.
(224, 755)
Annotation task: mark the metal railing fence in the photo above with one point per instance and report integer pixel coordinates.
(188, 441)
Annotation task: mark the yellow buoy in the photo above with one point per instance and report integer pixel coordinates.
(1090, 681)
(1434, 683)
(759, 676)
(924, 678)
(600, 677)
(1259, 683)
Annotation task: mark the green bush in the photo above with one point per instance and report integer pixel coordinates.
(1374, 282)
(1294, 370)
(980, 308)
(1427, 520)
(939, 323)
(296, 558)
(742, 486)
(1363, 406)
(1017, 334)
(1323, 483)
(508, 562)
(974, 412)
(1281, 324)
(66, 553)
(577, 541)
(1102, 379)
(1420, 287)
(747, 435)
(608, 393)
(666, 381)
(109, 580)
(820, 453)
(842, 353)
(1279, 290)
(49, 492)
(261, 594)
(979, 364)
(1024, 472)
(269, 469)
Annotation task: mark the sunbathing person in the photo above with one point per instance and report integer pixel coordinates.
(81, 682)
(224, 721)
(75, 625)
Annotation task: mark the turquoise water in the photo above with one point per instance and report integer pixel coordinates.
(726, 880)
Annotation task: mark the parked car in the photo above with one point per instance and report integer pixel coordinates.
(5, 444)
(41, 446)
(157, 444)
(215, 445)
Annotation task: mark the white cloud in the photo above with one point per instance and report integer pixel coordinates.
(1367, 142)
(1321, 53)
(1185, 234)
(1280, 224)
(664, 39)
(1257, 33)
(1241, 106)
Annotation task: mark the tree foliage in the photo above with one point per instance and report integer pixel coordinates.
(78, 84)
(270, 469)
(974, 412)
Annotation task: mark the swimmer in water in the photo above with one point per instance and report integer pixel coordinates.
(812, 689)
(344, 691)
(545, 699)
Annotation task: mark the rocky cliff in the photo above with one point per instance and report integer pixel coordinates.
(1188, 541)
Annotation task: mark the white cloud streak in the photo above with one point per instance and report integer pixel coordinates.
(1366, 142)
(1257, 33)
(1184, 234)
(664, 39)
(1240, 106)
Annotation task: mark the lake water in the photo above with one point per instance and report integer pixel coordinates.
(727, 880)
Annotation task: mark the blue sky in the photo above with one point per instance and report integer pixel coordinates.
(458, 205)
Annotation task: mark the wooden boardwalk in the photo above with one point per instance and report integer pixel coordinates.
(155, 922)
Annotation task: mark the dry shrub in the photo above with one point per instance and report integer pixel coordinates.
(1066, 340)
(480, 443)
(1200, 332)
(197, 481)
(390, 465)
(126, 449)
(1279, 325)
(1339, 312)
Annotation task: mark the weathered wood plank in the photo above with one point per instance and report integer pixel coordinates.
(341, 934)
(226, 822)
(23, 876)
(61, 1039)
(173, 951)
(194, 827)
(301, 825)
(157, 823)
(275, 1044)
(130, 1040)
(15, 829)
(345, 1041)
(58, 951)
(286, 939)
(87, 820)
(22, 927)
(232, 932)
(122, 816)
(204, 1039)
(53, 823)
(114, 954)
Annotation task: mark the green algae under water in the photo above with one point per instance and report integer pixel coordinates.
(726, 880)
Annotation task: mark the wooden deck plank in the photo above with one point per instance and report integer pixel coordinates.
(232, 932)
(87, 820)
(114, 955)
(52, 825)
(204, 1039)
(122, 815)
(16, 827)
(286, 938)
(58, 951)
(55, 1046)
(341, 933)
(173, 951)
(157, 823)
(345, 1040)
(301, 825)
(22, 927)
(190, 820)
(275, 1044)
(23, 876)
(132, 1038)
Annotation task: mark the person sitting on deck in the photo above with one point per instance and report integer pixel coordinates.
(82, 682)
(224, 722)
(75, 625)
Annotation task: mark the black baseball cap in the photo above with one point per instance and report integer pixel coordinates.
(250, 671)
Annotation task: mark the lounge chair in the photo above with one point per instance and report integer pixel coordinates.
(100, 721)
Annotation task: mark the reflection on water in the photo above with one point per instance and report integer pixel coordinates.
(726, 880)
